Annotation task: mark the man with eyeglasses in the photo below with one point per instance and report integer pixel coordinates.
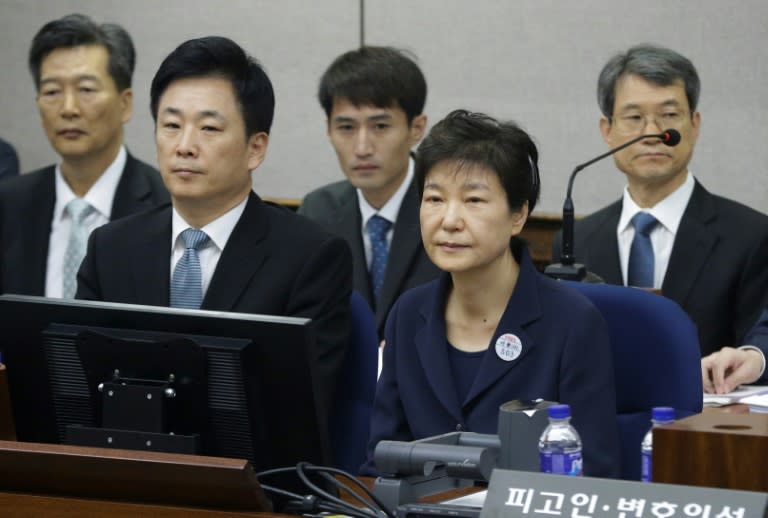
(707, 253)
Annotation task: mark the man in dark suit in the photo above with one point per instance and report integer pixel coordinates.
(707, 253)
(228, 250)
(82, 73)
(373, 99)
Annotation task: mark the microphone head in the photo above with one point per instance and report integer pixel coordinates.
(670, 137)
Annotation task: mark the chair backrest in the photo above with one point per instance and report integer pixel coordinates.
(351, 420)
(656, 361)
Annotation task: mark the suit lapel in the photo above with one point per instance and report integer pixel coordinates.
(523, 308)
(431, 343)
(348, 225)
(133, 191)
(601, 253)
(693, 244)
(241, 258)
(152, 264)
(34, 255)
(406, 242)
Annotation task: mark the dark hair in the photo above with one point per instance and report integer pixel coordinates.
(477, 139)
(658, 65)
(378, 76)
(216, 56)
(76, 30)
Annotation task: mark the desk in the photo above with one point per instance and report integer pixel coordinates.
(713, 449)
(25, 505)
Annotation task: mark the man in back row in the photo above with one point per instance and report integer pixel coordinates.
(228, 250)
(373, 99)
(82, 73)
(707, 253)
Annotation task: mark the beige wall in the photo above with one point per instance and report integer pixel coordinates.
(533, 61)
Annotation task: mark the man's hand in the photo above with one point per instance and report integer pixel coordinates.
(728, 368)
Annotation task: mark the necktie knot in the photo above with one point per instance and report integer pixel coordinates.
(79, 209)
(378, 227)
(194, 238)
(644, 223)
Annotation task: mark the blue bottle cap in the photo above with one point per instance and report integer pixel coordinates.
(663, 413)
(559, 411)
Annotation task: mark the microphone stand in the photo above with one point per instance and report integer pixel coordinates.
(568, 268)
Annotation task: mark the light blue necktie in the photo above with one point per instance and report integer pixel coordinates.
(377, 230)
(186, 282)
(78, 210)
(641, 261)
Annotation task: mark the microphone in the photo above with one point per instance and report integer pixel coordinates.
(568, 268)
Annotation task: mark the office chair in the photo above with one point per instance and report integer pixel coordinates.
(351, 419)
(656, 361)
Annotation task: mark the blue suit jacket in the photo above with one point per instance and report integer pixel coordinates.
(566, 357)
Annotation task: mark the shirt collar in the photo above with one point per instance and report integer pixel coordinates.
(668, 211)
(218, 230)
(101, 195)
(392, 207)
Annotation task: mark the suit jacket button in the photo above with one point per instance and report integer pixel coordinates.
(459, 428)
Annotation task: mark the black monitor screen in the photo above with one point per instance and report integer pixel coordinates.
(147, 377)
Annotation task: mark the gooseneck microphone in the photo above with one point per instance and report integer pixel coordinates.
(568, 268)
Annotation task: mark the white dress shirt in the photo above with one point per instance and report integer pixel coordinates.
(388, 211)
(668, 212)
(218, 231)
(100, 196)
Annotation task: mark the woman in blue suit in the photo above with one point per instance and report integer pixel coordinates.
(490, 329)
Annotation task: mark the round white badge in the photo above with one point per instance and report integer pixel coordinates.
(508, 347)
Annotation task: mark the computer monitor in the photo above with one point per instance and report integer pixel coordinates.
(223, 384)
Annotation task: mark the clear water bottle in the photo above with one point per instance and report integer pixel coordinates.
(659, 415)
(560, 444)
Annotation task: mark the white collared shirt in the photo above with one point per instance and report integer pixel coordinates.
(388, 211)
(668, 212)
(218, 230)
(101, 195)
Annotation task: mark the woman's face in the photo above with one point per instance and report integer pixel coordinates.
(466, 222)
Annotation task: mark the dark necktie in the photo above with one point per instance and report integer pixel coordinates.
(377, 230)
(641, 261)
(186, 282)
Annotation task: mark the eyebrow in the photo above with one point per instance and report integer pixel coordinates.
(636, 106)
(467, 186)
(82, 77)
(379, 117)
(203, 114)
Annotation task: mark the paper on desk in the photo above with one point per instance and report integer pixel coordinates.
(471, 500)
(757, 402)
(737, 396)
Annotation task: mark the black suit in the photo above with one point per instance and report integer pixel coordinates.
(26, 211)
(336, 208)
(718, 268)
(274, 263)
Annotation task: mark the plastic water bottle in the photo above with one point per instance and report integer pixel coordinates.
(560, 444)
(659, 415)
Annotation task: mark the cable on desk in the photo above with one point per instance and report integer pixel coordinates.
(321, 500)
